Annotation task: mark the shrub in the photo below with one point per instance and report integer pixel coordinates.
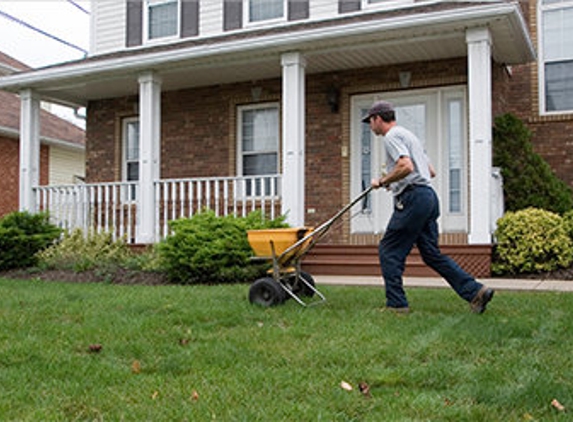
(568, 221)
(531, 241)
(80, 251)
(528, 178)
(207, 249)
(22, 235)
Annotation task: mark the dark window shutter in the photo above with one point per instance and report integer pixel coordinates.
(297, 9)
(133, 26)
(232, 14)
(189, 18)
(345, 6)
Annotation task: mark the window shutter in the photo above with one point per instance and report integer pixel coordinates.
(133, 26)
(232, 14)
(297, 9)
(345, 6)
(189, 18)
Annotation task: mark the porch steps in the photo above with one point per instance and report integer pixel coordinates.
(331, 259)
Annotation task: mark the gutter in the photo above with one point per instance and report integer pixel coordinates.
(278, 42)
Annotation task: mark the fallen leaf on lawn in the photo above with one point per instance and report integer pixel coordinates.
(154, 395)
(364, 389)
(557, 405)
(194, 395)
(95, 348)
(528, 417)
(136, 367)
(345, 386)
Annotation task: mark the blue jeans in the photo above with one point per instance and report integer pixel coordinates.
(413, 222)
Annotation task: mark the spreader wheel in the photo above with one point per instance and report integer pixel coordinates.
(266, 292)
(300, 288)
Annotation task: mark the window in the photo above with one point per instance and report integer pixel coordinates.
(162, 18)
(131, 153)
(265, 10)
(455, 154)
(258, 144)
(556, 58)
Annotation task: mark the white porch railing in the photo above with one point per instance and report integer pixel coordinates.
(113, 207)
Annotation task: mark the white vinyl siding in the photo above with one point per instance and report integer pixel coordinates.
(67, 166)
(108, 31)
(323, 9)
(210, 18)
(109, 20)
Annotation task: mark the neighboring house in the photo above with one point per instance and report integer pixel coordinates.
(61, 152)
(246, 104)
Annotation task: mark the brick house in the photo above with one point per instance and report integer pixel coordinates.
(61, 152)
(256, 104)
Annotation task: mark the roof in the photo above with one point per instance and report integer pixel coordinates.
(425, 31)
(53, 129)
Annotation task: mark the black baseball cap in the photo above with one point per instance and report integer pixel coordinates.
(377, 108)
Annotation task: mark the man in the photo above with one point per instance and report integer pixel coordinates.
(414, 219)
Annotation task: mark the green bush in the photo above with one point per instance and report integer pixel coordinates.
(22, 235)
(207, 249)
(568, 221)
(531, 241)
(80, 251)
(528, 180)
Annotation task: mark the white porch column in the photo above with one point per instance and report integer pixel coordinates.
(480, 132)
(293, 123)
(149, 153)
(29, 148)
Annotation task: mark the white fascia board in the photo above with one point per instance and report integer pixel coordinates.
(279, 42)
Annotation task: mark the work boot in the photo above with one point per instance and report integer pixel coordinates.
(480, 301)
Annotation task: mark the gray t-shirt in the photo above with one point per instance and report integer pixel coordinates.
(400, 142)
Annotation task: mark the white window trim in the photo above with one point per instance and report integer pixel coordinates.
(242, 190)
(239, 148)
(248, 24)
(129, 197)
(541, 62)
(160, 40)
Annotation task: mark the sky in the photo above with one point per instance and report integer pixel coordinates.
(65, 32)
(62, 19)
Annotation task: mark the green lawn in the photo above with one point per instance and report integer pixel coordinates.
(202, 353)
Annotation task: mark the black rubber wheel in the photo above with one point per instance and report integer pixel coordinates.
(301, 289)
(266, 292)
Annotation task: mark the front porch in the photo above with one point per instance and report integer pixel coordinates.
(115, 207)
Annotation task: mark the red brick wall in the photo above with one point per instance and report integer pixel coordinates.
(552, 135)
(10, 175)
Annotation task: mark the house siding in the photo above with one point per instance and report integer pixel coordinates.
(108, 20)
(65, 166)
(215, 18)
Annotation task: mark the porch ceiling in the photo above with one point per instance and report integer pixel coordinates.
(413, 37)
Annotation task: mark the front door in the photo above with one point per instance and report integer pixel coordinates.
(437, 117)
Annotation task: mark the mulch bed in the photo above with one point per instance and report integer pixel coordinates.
(116, 276)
